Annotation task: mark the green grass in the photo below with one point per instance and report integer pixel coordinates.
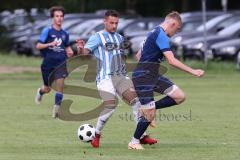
(28, 132)
(14, 60)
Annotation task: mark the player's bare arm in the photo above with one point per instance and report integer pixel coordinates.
(40, 46)
(138, 55)
(178, 64)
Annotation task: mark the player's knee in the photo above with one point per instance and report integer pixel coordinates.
(180, 98)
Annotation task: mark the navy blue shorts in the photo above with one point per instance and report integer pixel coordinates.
(49, 74)
(147, 84)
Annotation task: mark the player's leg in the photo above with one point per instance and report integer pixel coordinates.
(40, 92)
(108, 95)
(45, 88)
(147, 115)
(58, 76)
(145, 94)
(58, 97)
(126, 89)
(174, 95)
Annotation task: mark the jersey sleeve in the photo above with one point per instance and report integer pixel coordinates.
(44, 35)
(67, 43)
(93, 42)
(162, 42)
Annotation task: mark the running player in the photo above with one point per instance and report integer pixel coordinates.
(54, 47)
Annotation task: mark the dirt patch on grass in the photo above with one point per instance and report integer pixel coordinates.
(14, 69)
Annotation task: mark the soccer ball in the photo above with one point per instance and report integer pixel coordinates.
(86, 132)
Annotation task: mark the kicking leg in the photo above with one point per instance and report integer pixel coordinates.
(106, 113)
(108, 94)
(174, 96)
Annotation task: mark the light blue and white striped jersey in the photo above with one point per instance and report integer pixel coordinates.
(108, 51)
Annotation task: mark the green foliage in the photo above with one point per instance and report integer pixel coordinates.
(5, 41)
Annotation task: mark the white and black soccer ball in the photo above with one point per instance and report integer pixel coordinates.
(86, 132)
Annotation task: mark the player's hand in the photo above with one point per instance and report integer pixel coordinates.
(198, 72)
(80, 45)
(70, 54)
(52, 44)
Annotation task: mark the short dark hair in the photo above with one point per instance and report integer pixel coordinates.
(56, 8)
(112, 13)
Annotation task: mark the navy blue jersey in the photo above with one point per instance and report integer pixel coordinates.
(54, 56)
(146, 77)
(156, 43)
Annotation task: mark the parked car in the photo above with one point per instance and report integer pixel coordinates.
(194, 47)
(226, 49)
(139, 25)
(212, 27)
(86, 29)
(238, 61)
(191, 20)
(136, 43)
(25, 44)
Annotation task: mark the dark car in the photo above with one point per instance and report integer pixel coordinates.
(139, 26)
(226, 49)
(191, 20)
(89, 27)
(194, 47)
(25, 38)
(212, 27)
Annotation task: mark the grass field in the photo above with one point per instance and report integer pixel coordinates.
(205, 127)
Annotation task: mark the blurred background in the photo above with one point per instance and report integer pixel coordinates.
(212, 132)
(211, 28)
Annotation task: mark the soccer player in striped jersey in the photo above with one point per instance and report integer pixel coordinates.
(54, 46)
(112, 79)
(146, 77)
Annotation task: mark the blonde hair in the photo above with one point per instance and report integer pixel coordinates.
(174, 15)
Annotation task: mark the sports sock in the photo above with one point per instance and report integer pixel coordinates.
(141, 127)
(165, 102)
(135, 141)
(41, 92)
(58, 98)
(103, 118)
(135, 106)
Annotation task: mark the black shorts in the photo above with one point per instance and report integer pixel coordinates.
(49, 74)
(147, 84)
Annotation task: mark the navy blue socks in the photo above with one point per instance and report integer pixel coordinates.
(165, 102)
(142, 125)
(58, 98)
